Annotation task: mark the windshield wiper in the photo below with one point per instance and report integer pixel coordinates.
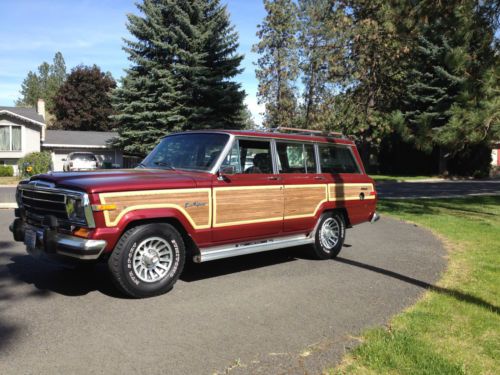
(164, 164)
(141, 165)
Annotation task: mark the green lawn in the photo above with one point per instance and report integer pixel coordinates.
(385, 178)
(9, 180)
(455, 327)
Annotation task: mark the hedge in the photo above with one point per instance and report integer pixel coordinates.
(6, 171)
(34, 163)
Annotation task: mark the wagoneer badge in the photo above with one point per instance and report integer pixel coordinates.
(194, 204)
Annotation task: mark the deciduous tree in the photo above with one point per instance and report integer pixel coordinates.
(83, 102)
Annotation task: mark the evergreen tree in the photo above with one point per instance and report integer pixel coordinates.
(453, 82)
(183, 58)
(277, 70)
(44, 84)
(83, 102)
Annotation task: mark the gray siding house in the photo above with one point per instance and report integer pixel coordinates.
(23, 130)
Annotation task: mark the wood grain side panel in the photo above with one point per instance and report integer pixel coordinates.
(346, 192)
(304, 200)
(245, 205)
(195, 204)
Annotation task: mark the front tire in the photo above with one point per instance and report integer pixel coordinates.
(329, 236)
(147, 260)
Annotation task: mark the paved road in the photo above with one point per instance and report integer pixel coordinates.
(441, 189)
(7, 194)
(269, 313)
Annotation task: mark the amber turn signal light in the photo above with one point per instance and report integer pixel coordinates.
(103, 207)
(81, 232)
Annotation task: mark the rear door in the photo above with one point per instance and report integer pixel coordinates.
(304, 189)
(348, 185)
(247, 195)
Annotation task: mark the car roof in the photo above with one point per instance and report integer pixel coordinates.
(277, 135)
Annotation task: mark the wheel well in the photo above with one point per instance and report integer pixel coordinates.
(343, 212)
(191, 248)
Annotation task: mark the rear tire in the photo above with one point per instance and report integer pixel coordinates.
(329, 236)
(147, 260)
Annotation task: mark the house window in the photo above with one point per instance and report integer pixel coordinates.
(10, 138)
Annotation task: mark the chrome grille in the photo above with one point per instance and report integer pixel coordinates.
(40, 201)
(44, 203)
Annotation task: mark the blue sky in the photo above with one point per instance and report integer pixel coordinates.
(90, 32)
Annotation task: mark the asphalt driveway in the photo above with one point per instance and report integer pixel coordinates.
(269, 313)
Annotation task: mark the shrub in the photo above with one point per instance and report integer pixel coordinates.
(34, 163)
(6, 171)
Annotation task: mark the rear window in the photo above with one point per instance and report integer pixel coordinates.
(85, 157)
(337, 159)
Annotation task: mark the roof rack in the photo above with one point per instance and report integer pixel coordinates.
(281, 129)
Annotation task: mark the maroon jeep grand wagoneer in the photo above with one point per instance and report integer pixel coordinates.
(206, 194)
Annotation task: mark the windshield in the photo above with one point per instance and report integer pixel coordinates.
(197, 151)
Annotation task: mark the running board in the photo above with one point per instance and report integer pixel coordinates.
(232, 250)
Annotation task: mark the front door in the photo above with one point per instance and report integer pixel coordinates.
(248, 195)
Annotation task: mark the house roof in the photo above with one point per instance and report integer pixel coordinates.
(29, 114)
(76, 138)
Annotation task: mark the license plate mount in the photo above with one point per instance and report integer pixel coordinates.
(30, 239)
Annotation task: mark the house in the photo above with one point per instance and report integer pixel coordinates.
(23, 130)
(61, 142)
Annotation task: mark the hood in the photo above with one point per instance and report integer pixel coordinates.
(101, 181)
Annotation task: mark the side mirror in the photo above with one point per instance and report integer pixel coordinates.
(221, 173)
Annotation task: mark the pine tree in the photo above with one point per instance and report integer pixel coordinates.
(278, 65)
(451, 92)
(83, 101)
(44, 84)
(183, 58)
(218, 100)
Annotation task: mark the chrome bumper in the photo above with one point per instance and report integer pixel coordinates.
(48, 241)
(375, 217)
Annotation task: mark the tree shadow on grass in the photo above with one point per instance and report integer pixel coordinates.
(458, 295)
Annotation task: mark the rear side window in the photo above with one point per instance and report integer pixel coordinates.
(296, 158)
(337, 159)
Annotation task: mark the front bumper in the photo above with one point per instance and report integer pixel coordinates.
(48, 242)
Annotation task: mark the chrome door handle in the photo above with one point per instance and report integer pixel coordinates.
(319, 178)
(274, 178)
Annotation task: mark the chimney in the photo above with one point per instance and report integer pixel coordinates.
(40, 107)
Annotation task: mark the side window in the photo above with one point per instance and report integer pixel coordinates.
(291, 157)
(337, 159)
(248, 156)
(296, 158)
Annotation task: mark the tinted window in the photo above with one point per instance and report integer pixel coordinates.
(296, 158)
(337, 159)
(197, 151)
(248, 156)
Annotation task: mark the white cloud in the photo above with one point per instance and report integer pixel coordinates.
(255, 108)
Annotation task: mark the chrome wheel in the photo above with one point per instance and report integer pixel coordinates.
(329, 233)
(152, 259)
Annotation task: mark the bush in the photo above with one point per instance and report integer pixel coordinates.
(6, 171)
(34, 163)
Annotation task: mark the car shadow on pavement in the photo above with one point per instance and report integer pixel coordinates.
(47, 277)
(460, 296)
(200, 271)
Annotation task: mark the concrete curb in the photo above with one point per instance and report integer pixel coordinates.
(8, 205)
